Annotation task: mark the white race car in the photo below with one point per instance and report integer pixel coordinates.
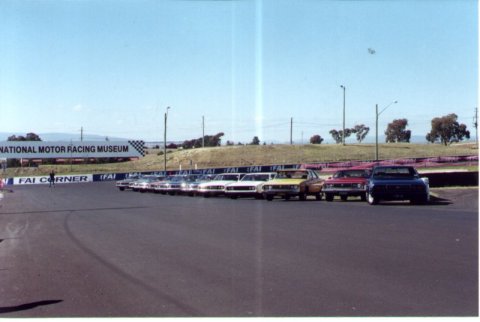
(249, 186)
(217, 185)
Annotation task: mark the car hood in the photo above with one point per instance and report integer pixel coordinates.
(396, 181)
(286, 181)
(216, 183)
(345, 180)
(247, 183)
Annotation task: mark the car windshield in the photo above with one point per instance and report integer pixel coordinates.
(148, 179)
(394, 172)
(256, 177)
(292, 175)
(227, 177)
(351, 174)
(177, 178)
(206, 177)
(133, 177)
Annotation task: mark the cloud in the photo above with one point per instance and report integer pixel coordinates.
(78, 108)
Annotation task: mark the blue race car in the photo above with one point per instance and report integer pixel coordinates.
(397, 183)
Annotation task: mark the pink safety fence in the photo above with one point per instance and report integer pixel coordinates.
(430, 162)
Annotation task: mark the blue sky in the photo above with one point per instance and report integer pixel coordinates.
(248, 67)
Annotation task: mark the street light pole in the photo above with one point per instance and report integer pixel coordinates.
(165, 142)
(376, 125)
(343, 133)
(291, 130)
(376, 132)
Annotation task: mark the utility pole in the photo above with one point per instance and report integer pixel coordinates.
(165, 142)
(376, 132)
(475, 124)
(291, 130)
(377, 113)
(81, 134)
(343, 133)
(203, 131)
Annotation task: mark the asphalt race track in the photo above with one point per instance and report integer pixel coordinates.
(89, 250)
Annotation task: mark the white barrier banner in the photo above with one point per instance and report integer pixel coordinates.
(72, 178)
(81, 149)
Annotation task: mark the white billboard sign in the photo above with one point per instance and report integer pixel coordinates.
(82, 149)
(73, 178)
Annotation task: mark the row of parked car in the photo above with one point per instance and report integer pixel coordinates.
(372, 185)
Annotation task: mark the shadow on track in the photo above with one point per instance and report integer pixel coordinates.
(28, 306)
(434, 201)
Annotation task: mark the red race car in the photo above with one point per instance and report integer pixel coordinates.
(346, 183)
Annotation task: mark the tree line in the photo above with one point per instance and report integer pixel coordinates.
(445, 130)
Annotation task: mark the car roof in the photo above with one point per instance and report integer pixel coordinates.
(255, 173)
(392, 166)
(225, 173)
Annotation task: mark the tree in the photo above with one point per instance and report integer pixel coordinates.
(396, 132)
(316, 139)
(29, 137)
(447, 130)
(337, 135)
(255, 141)
(210, 140)
(361, 132)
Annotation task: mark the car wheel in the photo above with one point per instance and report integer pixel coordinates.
(233, 197)
(286, 197)
(363, 197)
(318, 196)
(302, 196)
(329, 197)
(344, 198)
(269, 197)
(371, 199)
(121, 189)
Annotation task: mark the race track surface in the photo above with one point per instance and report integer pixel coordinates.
(89, 250)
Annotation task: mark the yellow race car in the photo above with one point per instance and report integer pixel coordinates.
(294, 183)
